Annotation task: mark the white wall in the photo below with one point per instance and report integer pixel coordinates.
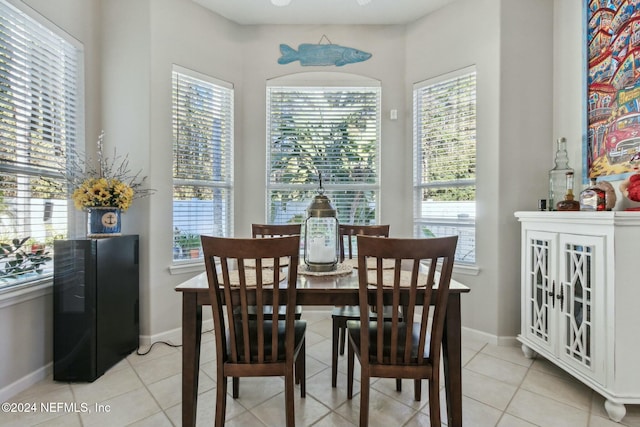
(509, 42)
(472, 39)
(125, 47)
(142, 39)
(568, 75)
(525, 147)
(182, 33)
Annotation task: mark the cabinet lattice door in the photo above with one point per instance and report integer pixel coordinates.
(539, 288)
(581, 271)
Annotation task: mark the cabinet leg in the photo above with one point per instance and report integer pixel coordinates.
(616, 411)
(528, 353)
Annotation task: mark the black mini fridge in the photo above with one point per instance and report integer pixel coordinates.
(95, 305)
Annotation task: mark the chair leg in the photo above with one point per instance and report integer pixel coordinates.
(335, 337)
(296, 370)
(434, 400)
(364, 400)
(417, 390)
(221, 401)
(288, 397)
(236, 387)
(398, 384)
(343, 335)
(301, 370)
(350, 362)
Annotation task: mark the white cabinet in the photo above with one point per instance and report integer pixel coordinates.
(563, 298)
(581, 298)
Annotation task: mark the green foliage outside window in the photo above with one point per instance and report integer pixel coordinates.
(342, 146)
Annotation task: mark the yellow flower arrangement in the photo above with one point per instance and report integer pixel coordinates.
(110, 185)
(95, 192)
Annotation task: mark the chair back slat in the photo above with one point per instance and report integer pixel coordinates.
(421, 271)
(252, 339)
(224, 265)
(349, 232)
(410, 308)
(275, 230)
(276, 319)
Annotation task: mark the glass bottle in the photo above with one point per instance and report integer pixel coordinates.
(558, 175)
(593, 198)
(568, 204)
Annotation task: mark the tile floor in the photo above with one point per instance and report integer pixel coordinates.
(501, 388)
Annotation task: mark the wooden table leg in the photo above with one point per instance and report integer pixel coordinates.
(191, 330)
(452, 352)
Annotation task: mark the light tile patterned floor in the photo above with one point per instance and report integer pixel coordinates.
(501, 388)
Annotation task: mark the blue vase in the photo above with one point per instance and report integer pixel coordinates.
(104, 222)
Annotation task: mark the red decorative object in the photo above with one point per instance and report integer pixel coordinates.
(630, 187)
(633, 190)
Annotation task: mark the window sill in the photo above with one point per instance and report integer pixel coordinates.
(466, 269)
(187, 267)
(17, 294)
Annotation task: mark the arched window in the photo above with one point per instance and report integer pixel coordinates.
(323, 124)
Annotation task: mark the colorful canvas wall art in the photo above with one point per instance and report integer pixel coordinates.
(613, 87)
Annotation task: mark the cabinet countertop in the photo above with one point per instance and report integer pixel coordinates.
(587, 217)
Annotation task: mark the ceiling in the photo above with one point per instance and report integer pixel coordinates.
(343, 12)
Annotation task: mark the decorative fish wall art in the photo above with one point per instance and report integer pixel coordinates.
(322, 54)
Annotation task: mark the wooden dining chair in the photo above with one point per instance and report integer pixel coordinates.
(262, 231)
(401, 349)
(340, 315)
(259, 231)
(257, 345)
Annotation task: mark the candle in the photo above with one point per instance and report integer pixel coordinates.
(319, 252)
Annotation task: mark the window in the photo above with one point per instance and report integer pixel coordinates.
(202, 161)
(329, 131)
(40, 122)
(445, 160)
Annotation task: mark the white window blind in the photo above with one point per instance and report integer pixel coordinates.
(40, 121)
(202, 160)
(328, 131)
(445, 159)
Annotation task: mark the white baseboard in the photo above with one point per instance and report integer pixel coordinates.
(509, 341)
(25, 382)
(173, 336)
(489, 338)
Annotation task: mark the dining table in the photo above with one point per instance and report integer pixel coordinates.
(315, 290)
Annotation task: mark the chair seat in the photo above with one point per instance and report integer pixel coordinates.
(300, 327)
(353, 327)
(341, 315)
(346, 311)
(352, 312)
(268, 311)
